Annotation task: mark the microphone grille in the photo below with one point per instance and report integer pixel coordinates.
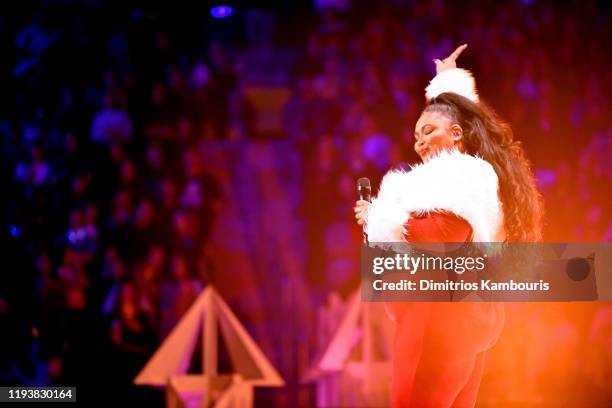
(363, 182)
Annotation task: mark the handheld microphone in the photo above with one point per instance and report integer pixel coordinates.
(364, 192)
(364, 189)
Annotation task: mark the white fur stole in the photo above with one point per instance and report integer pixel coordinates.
(451, 181)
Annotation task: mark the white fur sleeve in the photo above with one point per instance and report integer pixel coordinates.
(455, 182)
(386, 215)
(457, 80)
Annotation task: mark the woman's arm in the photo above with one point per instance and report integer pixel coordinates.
(449, 78)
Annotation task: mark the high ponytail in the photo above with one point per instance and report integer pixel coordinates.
(489, 137)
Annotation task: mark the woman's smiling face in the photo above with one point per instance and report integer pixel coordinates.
(434, 132)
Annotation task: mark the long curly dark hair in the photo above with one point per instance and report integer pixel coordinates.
(489, 137)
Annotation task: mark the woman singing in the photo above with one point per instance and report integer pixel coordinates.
(474, 185)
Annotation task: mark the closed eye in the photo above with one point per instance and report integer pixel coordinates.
(425, 130)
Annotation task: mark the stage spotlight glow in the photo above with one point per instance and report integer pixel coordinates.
(221, 11)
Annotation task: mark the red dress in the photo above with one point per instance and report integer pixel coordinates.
(438, 227)
(438, 347)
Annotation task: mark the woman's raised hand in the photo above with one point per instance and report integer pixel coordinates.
(450, 61)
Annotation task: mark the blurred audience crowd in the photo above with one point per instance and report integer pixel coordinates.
(107, 207)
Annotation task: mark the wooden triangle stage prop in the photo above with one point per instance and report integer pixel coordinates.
(355, 368)
(169, 364)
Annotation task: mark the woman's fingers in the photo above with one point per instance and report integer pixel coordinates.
(360, 208)
(457, 52)
(450, 61)
(361, 205)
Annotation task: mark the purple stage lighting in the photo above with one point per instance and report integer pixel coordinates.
(221, 11)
